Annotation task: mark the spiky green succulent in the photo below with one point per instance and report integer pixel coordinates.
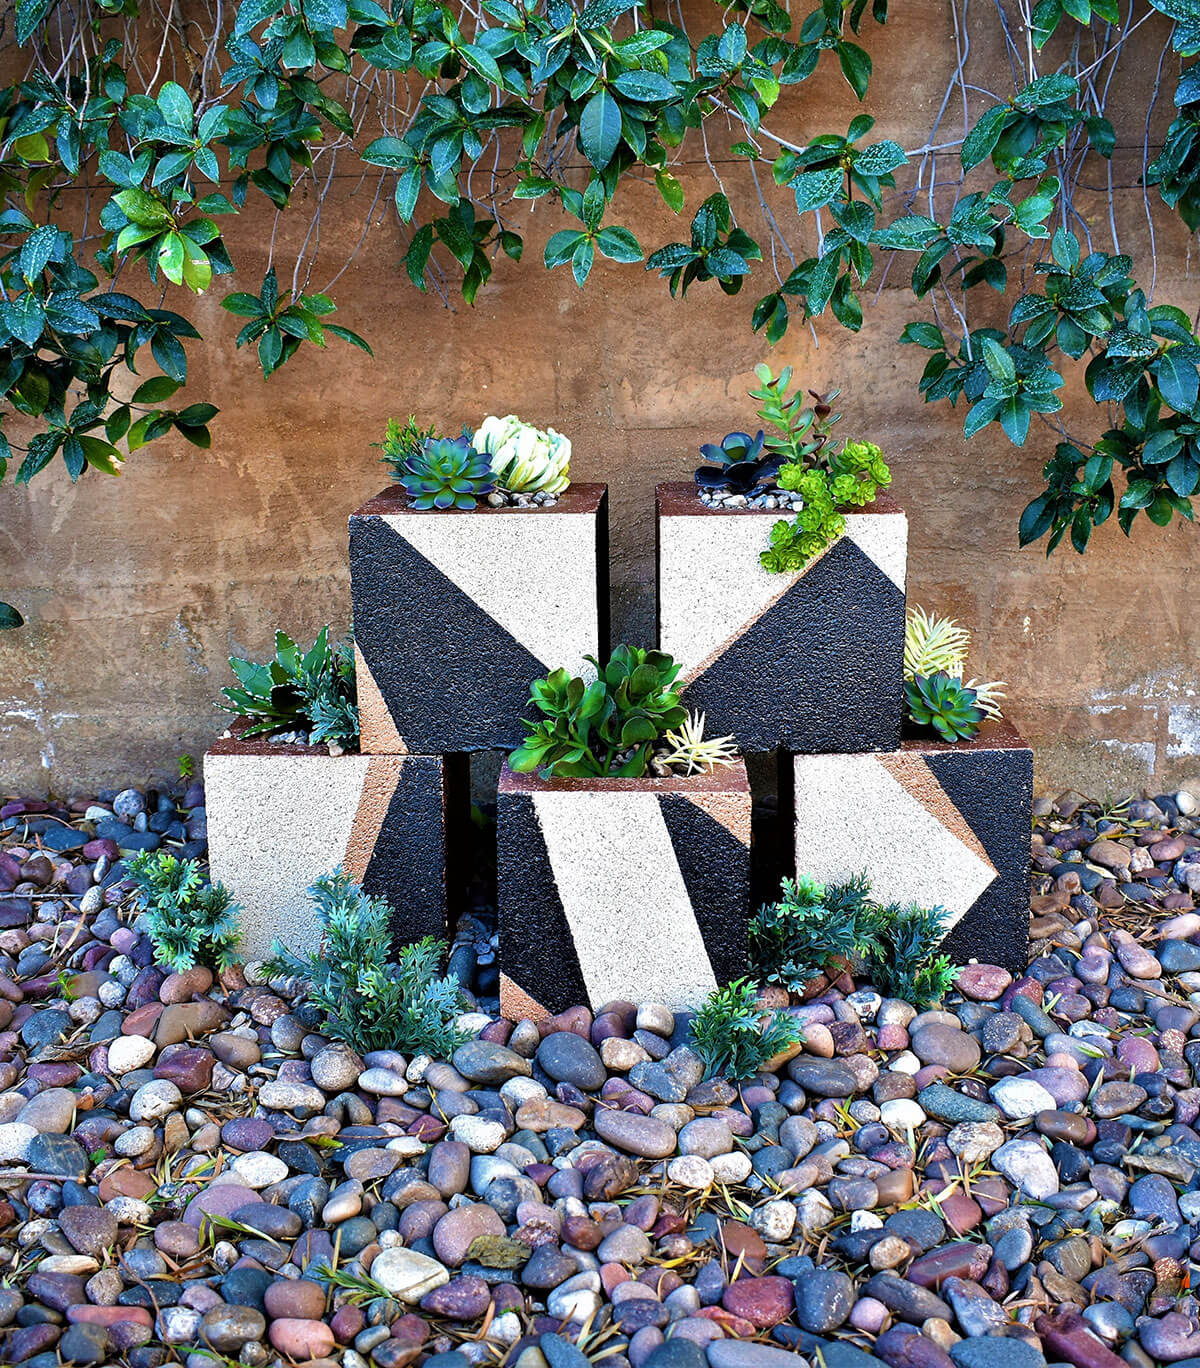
(313, 691)
(446, 472)
(944, 703)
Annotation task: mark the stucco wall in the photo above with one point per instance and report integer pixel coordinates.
(137, 589)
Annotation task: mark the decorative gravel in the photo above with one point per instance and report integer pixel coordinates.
(1006, 1181)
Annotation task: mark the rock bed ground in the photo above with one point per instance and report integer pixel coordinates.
(1008, 1181)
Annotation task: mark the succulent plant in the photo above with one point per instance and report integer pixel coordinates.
(607, 727)
(691, 752)
(738, 463)
(938, 643)
(313, 691)
(447, 472)
(945, 703)
(524, 460)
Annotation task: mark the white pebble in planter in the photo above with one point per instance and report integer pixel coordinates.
(281, 815)
(610, 889)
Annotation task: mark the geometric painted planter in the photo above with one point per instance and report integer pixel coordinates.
(809, 661)
(279, 816)
(456, 611)
(932, 823)
(621, 888)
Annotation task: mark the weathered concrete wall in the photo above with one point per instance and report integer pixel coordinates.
(137, 589)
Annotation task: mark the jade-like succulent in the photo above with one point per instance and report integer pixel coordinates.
(524, 459)
(447, 472)
(944, 703)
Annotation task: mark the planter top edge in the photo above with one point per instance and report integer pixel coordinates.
(727, 779)
(1001, 735)
(678, 499)
(577, 498)
(260, 746)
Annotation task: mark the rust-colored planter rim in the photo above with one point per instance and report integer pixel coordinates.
(724, 779)
(576, 498)
(681, 498)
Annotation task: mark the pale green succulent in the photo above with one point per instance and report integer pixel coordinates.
(524, 459)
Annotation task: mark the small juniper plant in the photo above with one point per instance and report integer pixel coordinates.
(367, 1000)
(901, 956)
(190, 920)
(314, 691)
(810, 930)
(733, 1034)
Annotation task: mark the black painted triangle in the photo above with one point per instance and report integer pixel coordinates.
(716, 872)
(993, 789)
(537, 949)
(407, 865)
(820, 670)
(452, 677)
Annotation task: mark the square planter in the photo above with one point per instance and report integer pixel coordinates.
(931, 823)
(281, 815)
(621, 889)
(457, 611)
(811, 661)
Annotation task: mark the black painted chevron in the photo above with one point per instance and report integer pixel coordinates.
(537, 949)
(993, 789)
(716, 872)
(820, 670)
(408, 864)
(452, 677)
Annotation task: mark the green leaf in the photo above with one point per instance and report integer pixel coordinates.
(142, 208)
(982, 139)
(646, 87)
(1053, 89)
(998, 362)
(813, 189)
(924, 335)
(561, 246)
(10, 619)
(1177, 379)
(582, 259)
(880, 158)
(669, 188)
(155, 390)
(483, 62)
(618, 244)
(388, 152)
(856, 67)
(600, 129)
(174, 106)
(31, 13)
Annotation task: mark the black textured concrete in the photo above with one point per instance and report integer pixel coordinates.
(408, 864)
(716, 872)
(993, 789)
(452, 678)
(536, 947)
(820, 671)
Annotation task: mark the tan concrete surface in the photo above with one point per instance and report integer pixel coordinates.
(137, 589)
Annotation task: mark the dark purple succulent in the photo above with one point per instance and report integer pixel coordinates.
(738, 463)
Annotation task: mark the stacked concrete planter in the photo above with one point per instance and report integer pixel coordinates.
(807, 662)
(455, 611)
(621, 889)
(281, 815)
(931, 823)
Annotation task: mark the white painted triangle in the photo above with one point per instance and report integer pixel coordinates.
(712, 587)
(533, 573)
(635, 933)
(853, 815)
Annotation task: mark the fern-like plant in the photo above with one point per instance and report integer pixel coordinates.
(901, 953)
(190, 921)
(734, 1036)
(366, 1000)
(795, 940)
(313, 691)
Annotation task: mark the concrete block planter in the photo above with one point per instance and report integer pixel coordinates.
(455, 611)
(621, 888)
(280, 815)
(810, 662)
(932, 823)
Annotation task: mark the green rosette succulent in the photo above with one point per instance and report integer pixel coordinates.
(524, 459)
(447, 472)
(945, 704)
